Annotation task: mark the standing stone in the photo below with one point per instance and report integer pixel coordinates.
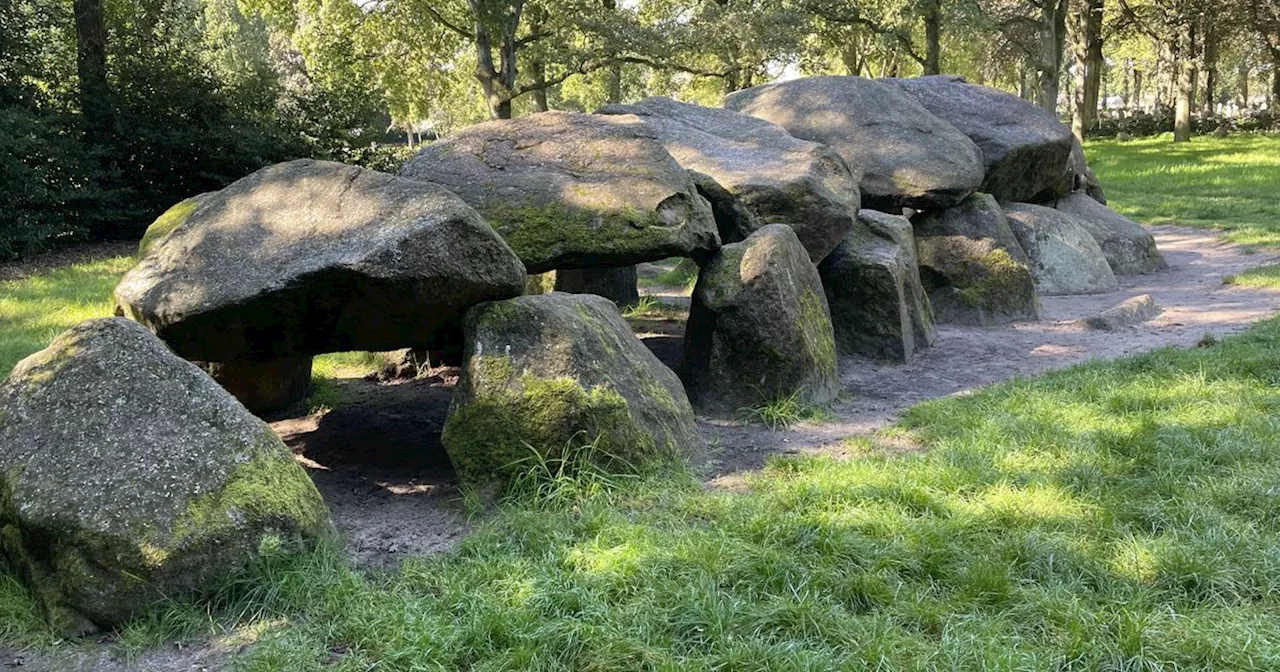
(972, 265)
(1064, 258)
(901, 154)
(561, 377)
(759, 327)
(263, 387)
(777, 178)
(574, 190)
(879, 308)
(128, 478)
(616, 284)
(1129, 248)
(308, 257)
(1025, 148)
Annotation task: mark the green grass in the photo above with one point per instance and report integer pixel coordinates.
(1113, 516)
(784, 412)
(1221, 183)
(1118, 516)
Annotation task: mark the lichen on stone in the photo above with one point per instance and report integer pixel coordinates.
(166, 223)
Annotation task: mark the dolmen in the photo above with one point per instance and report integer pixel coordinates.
(308, 257)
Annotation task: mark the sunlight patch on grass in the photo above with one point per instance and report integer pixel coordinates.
(1220, 183)
(33, 311)
(1263, 276)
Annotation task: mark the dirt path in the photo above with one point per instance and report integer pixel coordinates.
(378, 461)
(1191, 292)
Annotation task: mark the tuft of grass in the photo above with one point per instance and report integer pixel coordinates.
(1266, 277)
(652, 308)
(1218, 183)
(784, 412)
(575, 474)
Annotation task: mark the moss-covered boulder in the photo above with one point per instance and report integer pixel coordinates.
(777, 177)
(901, 154)
(1129, 248)
(879, 308)
(972, 265)
(574, 190)
(545, 376)
(1062, 256)
(759, 327)
(308, 257)
(1025, 148)
(127, 476)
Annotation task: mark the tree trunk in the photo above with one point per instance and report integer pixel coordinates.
(1080, 49)
(1137, 89)
(1243, 72)
(1184, 62)
(1053, 28)
(933, 38)
(91, 66)
(613, 94)
(1209, 71)
(498, 81)
(539, 71)
(1094, 62)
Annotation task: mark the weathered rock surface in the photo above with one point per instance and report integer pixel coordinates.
(1025, 148)
(1129, 248)
(879, 308)
(972, 265)
(548, 374)
(1064, 258)
(1128, 313)
(1082, 178)
(617, 284)
(777, 177)
(759, 327)
(127, 476)
(901, 154)
(308, 257)
(263, 387)
(574, 190)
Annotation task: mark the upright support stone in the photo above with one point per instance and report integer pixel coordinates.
(617, 284)
(263, 387)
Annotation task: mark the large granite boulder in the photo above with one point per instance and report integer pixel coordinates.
(1064, 258)
(1129, 248)
(574, 190)
(776, 177)
(308, 257)
(972, 265)
(901, 154)
(879, 308)
(545, 376)
(1025, 148)
(128, 477)
(759, 327)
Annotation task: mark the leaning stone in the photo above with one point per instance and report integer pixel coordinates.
(574, 190)
(560, 377)
(1025, 148)
(777, 177)
(307, 257)
(128, 478)
(759, 327)
(1064, 258)
(972, 265)
(1128, 313)
(879, 309)
(901, 154)
(1129, 248)
(263, 387)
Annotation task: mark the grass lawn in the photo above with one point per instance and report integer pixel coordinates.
(1224, 183)
(1113, 516)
